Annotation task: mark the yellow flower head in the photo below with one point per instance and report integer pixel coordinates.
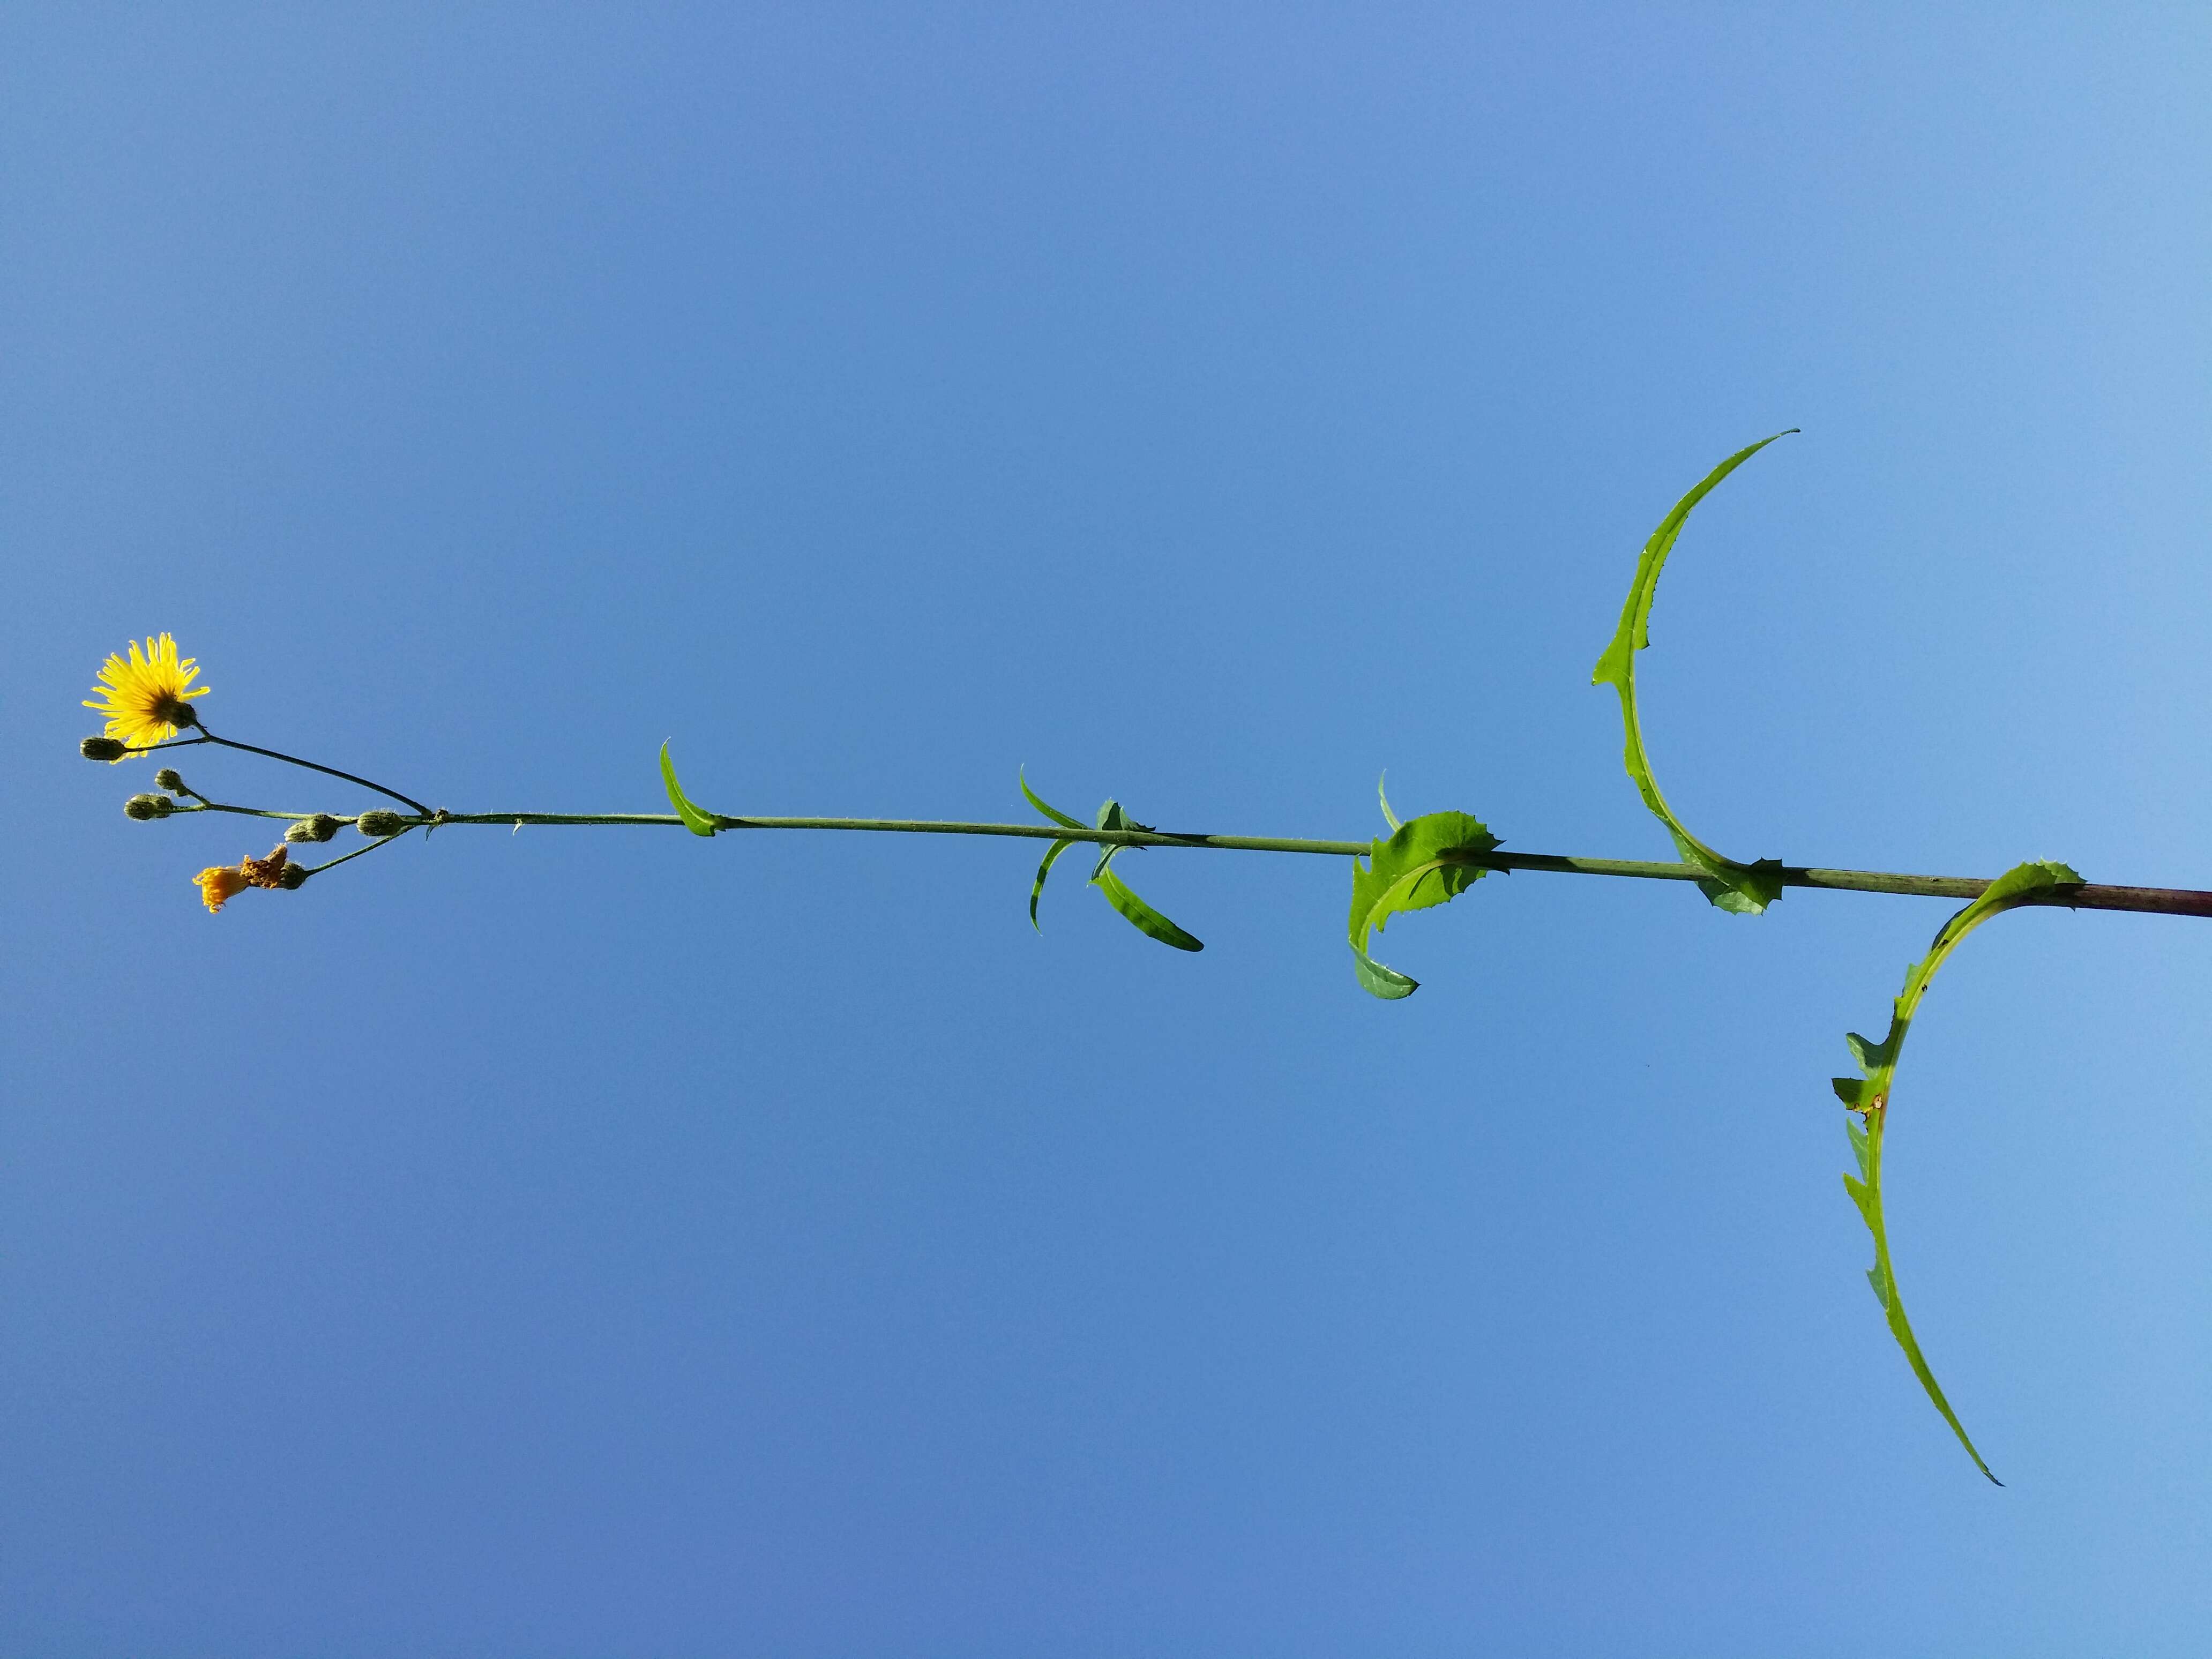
(149, 697)
(220, 882)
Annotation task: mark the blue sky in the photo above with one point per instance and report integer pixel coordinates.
(618, 1242)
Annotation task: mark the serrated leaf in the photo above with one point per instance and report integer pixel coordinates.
(1868, 1054)
(698, 821)
(1141, 915)
(1860, 1150)
(1871, 1099)
(1740, 889)
(1036, 890)
(1413, 868)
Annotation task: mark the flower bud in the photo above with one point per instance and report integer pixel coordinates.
(379, 823)
(294, 878)
(169, 778)
(142, 808)
(103, 749)
(321, 827)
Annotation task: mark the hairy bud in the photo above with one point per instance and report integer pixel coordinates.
(320, 828)
(169, 778)
(142, 808)
(103, 749)
(379, 823)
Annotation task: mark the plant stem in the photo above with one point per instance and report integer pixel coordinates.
(358, 852)
(293, 760)
(2157, 901)
(206, 805)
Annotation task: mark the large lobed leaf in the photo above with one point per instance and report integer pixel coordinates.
(1743, 889)
(1420, 865)
(1869, 1094)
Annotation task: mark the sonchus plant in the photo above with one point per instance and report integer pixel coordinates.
(149, 698)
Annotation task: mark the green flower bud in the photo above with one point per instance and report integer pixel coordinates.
(379, 823)
(169, 778)
(142, 808)
(103, 749)
(321, 827)
(294, 878)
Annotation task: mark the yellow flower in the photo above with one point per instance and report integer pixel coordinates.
(149, 697)
(219, 882)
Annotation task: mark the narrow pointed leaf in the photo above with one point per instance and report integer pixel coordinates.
(1036, 890)
(2020, 886)
(1141, 915)
(697, 822)
(1388, 817)
(1051, 812)
(1742, 888)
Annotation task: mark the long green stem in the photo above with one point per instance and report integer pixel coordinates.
(358, 852)
(2158, 900)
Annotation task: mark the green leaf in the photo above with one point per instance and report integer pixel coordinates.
(1036, 890)
(1742, 888)
(1118, 894)
(1141, 915)
(1110, 816)
(1051, 812)
(1870, 1098)
(1379, 980)
(697, 822)
(1417, 866)
(1388, 817)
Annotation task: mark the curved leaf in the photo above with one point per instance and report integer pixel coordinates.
(1378, 979)
(1141, 915)
(1051, 812)
(1412, 869)
(1869, 1096)
(1388, 817)
(1036, 890)
(697, 822)
(1119, 893)
(1743, 889)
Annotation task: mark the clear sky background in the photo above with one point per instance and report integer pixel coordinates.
(616, 1243)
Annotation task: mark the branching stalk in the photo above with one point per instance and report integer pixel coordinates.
(2088, 895)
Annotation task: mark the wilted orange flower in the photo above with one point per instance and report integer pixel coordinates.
(219, 883)
(264, 873)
